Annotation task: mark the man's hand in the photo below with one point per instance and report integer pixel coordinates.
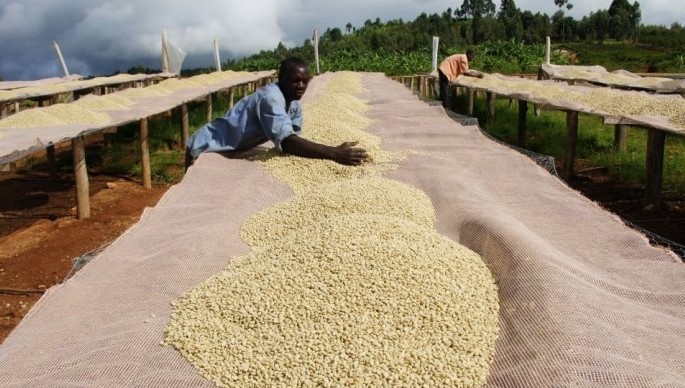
(347, 153)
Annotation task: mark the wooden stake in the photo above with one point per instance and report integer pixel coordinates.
(145, 154)
(209, 107)
(656, 141)
(52, 163)
(620, 137)
(491, 109)
(231, 97)
(185, 125)
(523, 113)
(81, 178)
(571, 142)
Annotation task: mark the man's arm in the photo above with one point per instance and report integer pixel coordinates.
(345, 153)
(473, 73)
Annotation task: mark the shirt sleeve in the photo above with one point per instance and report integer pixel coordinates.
(296, 116)
(274, 120)
(464, 65)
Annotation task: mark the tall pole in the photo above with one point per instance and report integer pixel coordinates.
(217, 59)
(436, 42)
(61, 58)
(548, 50)
(316, 49)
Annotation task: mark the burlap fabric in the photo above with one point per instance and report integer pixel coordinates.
(18, 90)
(585, 301)
(7, 85)
(18, 142)
(618, 78)
(556, 102)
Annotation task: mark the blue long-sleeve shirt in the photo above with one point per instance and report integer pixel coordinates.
(253, 120)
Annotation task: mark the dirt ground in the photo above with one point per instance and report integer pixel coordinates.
(40, 237)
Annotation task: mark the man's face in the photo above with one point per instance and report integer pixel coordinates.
(295, 83)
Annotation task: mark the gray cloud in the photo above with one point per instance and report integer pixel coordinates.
(101, 36)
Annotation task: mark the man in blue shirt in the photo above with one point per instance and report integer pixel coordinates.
(272, 113)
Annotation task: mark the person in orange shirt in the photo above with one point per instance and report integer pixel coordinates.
(451, 68)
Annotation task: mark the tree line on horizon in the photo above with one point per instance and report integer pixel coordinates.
(475, 22)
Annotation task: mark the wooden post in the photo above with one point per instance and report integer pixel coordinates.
(231, 97)
(209, 107)
(571, 141)
(185, 125)
(422, 88)
(3, 111)
(52, 163)
(145, 154)
(491, 109)
(541, 76)
(472, 97)
(656, 141)
(81, 178)
(620, 137)
(411, 83)
(523, 112)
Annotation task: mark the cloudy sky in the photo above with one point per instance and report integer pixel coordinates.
(101, 36)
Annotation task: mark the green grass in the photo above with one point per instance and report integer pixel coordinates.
(547, 135)
(120, 155)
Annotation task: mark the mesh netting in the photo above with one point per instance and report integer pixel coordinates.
(584, 300)
(547, 162)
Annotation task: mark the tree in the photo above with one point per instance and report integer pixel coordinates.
(563, 4)
(335, 34)
(510, 17)
(624, 18)
(536, 26)
(348, 27)
(477, 10)
(596, 26)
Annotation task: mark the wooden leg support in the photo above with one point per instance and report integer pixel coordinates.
(209, 107)
(571, 142)
(52, 162)
(620, 137)
(145, 154)
(490, 120)
(656, 141)
(523, 113)
(81, 178)
(185, 125)
(231, 97)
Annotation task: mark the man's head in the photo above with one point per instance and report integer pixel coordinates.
(470, 55)
(293, 78)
